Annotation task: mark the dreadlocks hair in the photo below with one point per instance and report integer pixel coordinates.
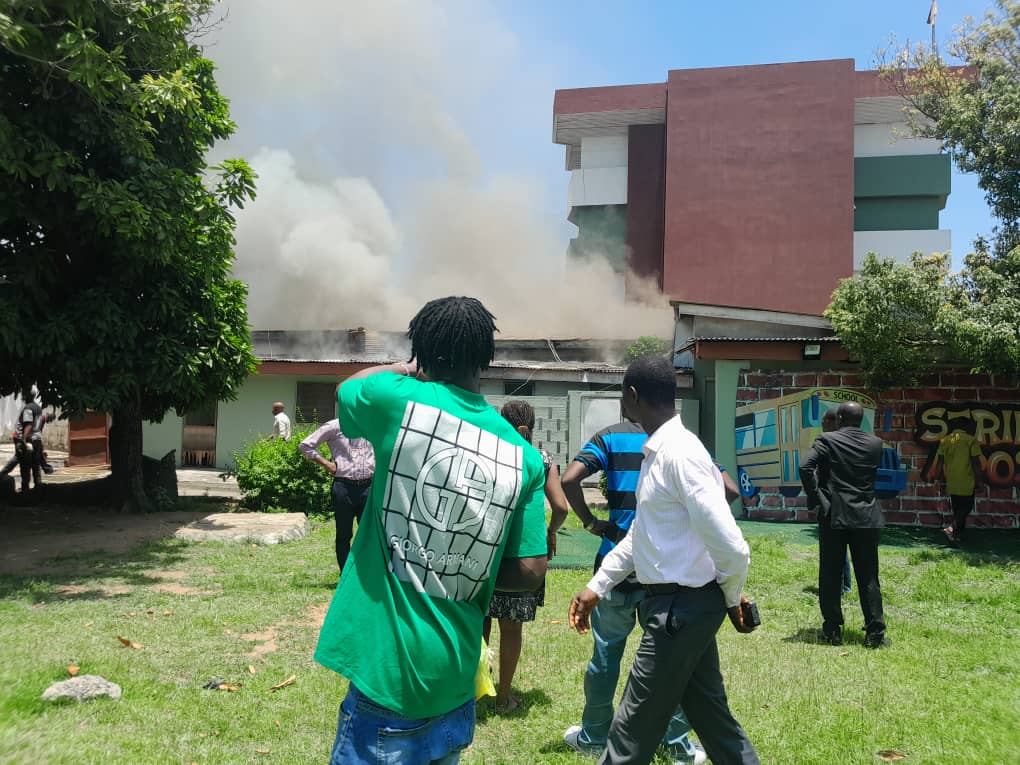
(519, 414)
(452, 335)
(654, 379)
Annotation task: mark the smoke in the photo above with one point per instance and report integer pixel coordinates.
(385, 136)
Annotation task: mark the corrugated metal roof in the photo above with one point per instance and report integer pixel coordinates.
(831, 339)
(691, 341)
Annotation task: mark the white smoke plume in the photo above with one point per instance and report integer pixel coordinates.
(378, 130)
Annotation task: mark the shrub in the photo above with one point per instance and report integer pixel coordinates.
(273, 477)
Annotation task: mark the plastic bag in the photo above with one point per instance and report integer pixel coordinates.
(483, 677)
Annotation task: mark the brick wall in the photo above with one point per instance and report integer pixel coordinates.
(921, 504)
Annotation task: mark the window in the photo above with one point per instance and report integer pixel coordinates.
(518, 388)
(316, 403)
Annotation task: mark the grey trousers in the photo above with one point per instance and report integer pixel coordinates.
(677, 662)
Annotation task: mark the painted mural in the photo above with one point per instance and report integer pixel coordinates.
(996, 428)
(772, 434)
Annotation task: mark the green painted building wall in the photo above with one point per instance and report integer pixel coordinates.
(248, 416)
(900, 193)
(601, 230)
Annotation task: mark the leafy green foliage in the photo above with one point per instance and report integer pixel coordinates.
(646, 345)
(274, 477)
(974, 112)
(888, 317)
(899, 320)
(115, 237)
(604, 485)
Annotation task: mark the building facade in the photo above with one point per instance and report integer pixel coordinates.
(755, 187)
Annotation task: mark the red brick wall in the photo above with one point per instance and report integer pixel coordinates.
(922, 503)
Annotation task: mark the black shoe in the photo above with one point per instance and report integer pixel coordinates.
(832, 638)
(876, 641)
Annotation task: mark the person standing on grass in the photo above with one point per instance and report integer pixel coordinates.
(959, 459)
(846, 461)
(690, 557)
(829, 425)
(616, 451)
(512, 609)
(352, 466)
(281, 422)
(456, 509)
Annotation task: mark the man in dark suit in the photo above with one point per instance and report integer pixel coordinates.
(847, 459)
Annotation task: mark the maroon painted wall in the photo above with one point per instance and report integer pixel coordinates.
(646, 190)
(609, 98)
(759, 184)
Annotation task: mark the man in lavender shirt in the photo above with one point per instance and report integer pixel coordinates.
(352, 467)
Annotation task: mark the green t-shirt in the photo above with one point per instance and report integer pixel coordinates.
(455, 490)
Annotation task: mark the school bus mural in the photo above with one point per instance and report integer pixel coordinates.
(773, 434)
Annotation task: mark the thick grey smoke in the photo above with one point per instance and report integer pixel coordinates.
(379, 131)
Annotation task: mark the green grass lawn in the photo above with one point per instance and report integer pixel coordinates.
(946, 691)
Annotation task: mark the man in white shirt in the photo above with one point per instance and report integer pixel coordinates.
(281, 422)
(691, 557)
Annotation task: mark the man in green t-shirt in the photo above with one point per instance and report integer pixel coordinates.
(960, 454)
(457, 506)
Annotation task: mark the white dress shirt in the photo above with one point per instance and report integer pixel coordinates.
(684, 532)
(281, 426)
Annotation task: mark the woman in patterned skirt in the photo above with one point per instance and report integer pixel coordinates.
(512, 609)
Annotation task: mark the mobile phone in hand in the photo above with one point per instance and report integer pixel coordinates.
(750, 615)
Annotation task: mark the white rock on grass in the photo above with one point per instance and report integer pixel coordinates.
(82, 688)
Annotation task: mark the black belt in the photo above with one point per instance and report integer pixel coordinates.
(672, 589)
(353, 482)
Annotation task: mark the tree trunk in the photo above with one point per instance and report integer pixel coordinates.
(126, 458)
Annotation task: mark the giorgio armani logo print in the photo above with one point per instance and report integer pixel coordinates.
(450, 491)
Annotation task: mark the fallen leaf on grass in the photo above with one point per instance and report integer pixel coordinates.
(844, 653)
(130, 613)
(555, 621)
(277, 723)
(168, 613)
(232, 687)
(251, 668)
(150, 611)
(891, 755)
(261, 751)
(128, 643)
(289, 681)
(73, 670)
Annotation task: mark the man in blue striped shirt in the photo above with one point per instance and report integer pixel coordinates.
(616, 451)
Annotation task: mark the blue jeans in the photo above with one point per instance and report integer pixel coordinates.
(368, 734)
(612, 621)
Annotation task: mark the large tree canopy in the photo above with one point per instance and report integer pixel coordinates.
(898, 320)
(115, 237)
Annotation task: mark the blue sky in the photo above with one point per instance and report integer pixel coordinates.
(603, 43)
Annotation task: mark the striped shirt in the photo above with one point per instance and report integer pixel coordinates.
(616, 451)
(354, 457)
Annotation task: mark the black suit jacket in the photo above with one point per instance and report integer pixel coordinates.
(848, 460)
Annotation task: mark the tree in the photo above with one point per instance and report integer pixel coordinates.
(646, 345)
(974, 111)
(115, 237)
(899, 320)
(889, 318)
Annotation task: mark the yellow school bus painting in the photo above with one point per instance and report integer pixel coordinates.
(773, 434)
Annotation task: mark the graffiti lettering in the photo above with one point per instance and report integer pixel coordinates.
(997, 430)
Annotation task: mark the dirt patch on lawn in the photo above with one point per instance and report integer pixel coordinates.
(77, 590)
(266, 642)
(175, 588)
(31, 536)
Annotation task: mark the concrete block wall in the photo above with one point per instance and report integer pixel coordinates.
(923, 502)
(551, 424)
